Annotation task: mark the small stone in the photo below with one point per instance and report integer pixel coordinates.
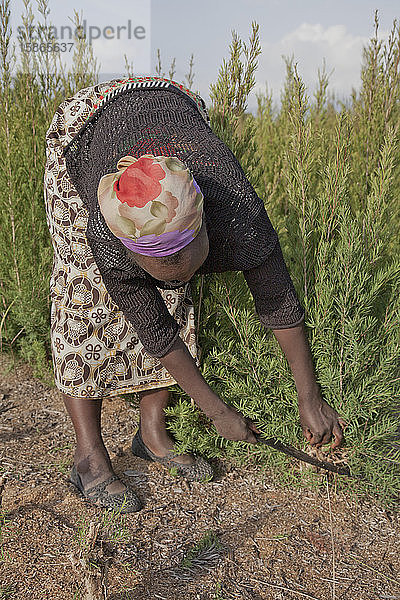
(185, 485)
(131, 473)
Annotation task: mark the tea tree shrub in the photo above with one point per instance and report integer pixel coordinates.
(328, 173)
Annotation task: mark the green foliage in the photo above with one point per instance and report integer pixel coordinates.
(328, 174)
(198, 554)
(339, 248)
(229, 95)
(111, 529)
(7, 591)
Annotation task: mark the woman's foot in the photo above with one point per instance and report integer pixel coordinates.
(152, 441)
(156, 438)
(92, 472)
(93, 466)
(152, 425)
(197, 470)
(96, 481)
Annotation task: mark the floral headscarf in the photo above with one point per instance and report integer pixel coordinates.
(152, 204)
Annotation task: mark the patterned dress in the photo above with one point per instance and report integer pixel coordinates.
(96, 352)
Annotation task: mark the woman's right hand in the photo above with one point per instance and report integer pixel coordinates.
(232, 425)
(228, 422)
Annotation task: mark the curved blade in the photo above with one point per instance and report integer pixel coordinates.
(291, 451)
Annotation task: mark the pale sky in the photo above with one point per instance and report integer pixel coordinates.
(311, 30)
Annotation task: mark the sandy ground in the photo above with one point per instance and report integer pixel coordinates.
(237, 537)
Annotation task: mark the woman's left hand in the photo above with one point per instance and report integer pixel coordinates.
(320, 422)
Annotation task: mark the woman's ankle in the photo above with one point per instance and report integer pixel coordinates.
(154, 432)
(92, 459)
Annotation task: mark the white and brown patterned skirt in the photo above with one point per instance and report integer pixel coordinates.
(96, 352)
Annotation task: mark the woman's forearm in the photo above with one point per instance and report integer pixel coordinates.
(295, 346)
(319, 421)
(293, 342)
(180, 364)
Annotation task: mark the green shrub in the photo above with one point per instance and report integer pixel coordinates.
(329, 176)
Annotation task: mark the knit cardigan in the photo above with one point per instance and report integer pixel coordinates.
(167, 122)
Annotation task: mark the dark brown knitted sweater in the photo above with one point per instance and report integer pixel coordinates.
(167, 122)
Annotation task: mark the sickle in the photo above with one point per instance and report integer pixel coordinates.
(291, 451)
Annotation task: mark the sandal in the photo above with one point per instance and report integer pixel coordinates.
(200, 470)
(124, 502)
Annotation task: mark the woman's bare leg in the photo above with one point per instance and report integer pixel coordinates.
(152, 423)
(91, 457)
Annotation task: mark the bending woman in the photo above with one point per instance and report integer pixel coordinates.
(140, 196)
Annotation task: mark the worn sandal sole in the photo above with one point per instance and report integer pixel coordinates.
(125, 502)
